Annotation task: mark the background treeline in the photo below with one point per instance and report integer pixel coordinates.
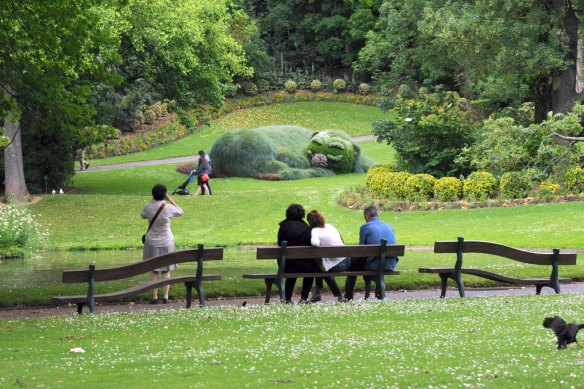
(77, 72)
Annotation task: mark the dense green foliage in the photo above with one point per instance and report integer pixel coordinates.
(448, 189)
(429, 131)
(338, 150)
(420, 187)
(515, 185)
(479, 186)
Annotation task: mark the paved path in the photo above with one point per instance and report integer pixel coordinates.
(32, 312)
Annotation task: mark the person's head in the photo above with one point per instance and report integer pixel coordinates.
(315, 219)
(370, 213)
(295, 212)
(159, 192)
(202, 153)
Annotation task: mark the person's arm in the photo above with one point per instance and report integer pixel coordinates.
(177, 210)
(363, 234)
(315, 237)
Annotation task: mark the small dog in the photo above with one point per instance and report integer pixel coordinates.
(566, 332)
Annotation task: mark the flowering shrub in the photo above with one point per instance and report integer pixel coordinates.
(575, 180)
(377, 179)
(290, 86)
(479, 186)
(315, 85)
(339, 85)
(364, 88)
(515, 185)
(396, 185)
(448, 189)
(420, 187)
(17, 229)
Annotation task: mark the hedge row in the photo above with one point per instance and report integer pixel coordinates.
(196, 118)
(383, 182)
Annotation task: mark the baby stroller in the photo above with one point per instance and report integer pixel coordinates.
(182, 188)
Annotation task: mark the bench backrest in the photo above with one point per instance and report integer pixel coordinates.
(301, 252)
(134, 269)
(477, 246)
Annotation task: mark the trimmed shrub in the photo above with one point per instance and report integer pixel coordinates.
(263, 85)
(250, 89)
(290, 86)
(479, 186)
(515, 185)
(448, 189)
(364, 88)
(230, 89)
(396, 185)
(377, 179)
(548, 189)
(420, 187)
(340, 152)
(574, 180)
(339, 85)
(315, 85)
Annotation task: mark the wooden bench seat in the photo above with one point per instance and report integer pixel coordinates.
(93, 275)
(460, 246)
(282, 253)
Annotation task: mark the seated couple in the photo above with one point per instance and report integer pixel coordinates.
(297, 232)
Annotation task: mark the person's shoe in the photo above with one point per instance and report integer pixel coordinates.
(303, 301)
(316, 297)
(86, 166)
(154, 301)
(165, 301)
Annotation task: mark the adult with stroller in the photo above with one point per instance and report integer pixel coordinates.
(202, 173)
(202, 154)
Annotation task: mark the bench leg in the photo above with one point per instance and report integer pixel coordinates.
(459, 285)
(189, 288)
(443, 284)
(80, 308)
(380, 288)
(367, 280)
(201, 293)
(269, 283)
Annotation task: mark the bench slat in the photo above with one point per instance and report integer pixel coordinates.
(321, 275)
(481, 247)
(492, 276)
(304, 252)
(134, 269)
(134, 290)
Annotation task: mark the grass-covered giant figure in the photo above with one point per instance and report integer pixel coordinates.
(286, 153)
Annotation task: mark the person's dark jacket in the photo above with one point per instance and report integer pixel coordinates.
(295, 232)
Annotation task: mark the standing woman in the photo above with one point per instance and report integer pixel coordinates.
(202, 173)
(202, 154)
(159, 239)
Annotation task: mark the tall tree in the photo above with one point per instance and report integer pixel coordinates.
(505, 51)
(44, 48)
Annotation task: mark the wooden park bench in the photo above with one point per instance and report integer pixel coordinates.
(283, 253)
(93, 275)
(553, 259)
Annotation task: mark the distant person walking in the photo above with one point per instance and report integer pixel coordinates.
(159, 239)
(80, 156)
(202, 173)
(204, 155)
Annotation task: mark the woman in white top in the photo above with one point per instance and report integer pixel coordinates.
(159, 239)
(326, 235)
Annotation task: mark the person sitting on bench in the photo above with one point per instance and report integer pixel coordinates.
(372, 232)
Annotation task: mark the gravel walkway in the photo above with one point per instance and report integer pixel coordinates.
(35, 312)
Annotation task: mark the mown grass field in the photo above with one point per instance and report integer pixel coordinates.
(493, 342)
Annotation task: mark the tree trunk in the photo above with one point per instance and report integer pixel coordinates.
(14, 184)
(564, 85)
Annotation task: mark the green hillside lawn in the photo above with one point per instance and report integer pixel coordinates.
(495, 342)
(354, 119)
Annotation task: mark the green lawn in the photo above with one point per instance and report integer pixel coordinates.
(495, 342)
(354, 119)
